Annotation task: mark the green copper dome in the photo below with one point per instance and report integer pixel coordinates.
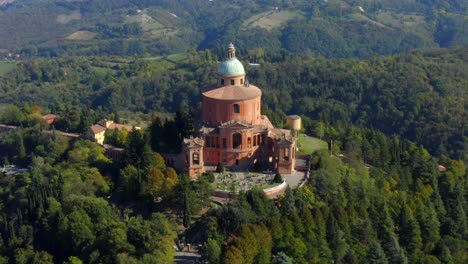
(231, 65)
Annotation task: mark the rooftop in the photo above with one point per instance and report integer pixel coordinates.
(97, 129)
(231, 67)
(49, 116)
(194, 142)
(234, 92)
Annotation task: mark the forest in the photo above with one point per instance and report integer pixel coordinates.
(74, 205)
(400, 210)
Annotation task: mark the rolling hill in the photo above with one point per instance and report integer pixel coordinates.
(334, 28)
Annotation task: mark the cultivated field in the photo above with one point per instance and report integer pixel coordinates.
(272, 19)
(81, 35)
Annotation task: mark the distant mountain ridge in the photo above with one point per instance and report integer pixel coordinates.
(334, 28)
(4, 2)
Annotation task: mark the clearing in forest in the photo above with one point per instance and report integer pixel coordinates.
(401, 20)
(6, 66)
(155, 23)
(64, 19)
(81, 35)
(271, 19)
(363, 18)
(170, 60)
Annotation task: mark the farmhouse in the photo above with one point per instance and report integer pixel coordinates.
(98, 130)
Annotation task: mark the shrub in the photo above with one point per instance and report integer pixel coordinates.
(220, 168)
(209, 176)
(278, 178)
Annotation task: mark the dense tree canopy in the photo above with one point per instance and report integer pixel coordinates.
(72, 203)
(397, 211)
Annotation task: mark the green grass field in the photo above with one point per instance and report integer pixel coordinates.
(307, 145)
(168, 61)
(6, 66)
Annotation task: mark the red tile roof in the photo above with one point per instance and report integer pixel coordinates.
(97, 129)
(49, 116)
(441, 168)
(234, 92)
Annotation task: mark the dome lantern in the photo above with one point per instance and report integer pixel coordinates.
(231, 51)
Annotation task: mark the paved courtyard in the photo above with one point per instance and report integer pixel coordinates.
(294, 180)
(241, 179)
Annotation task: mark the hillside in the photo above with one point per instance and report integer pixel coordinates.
(4, 2)
(335, 28)
(420, 96)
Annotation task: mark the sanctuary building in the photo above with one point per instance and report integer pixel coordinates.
(233, 130)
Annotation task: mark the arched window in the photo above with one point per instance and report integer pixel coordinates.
(232, 82)
(222, 81)
(236, 140)
(196, 158)
(242, 81)
(236, 108)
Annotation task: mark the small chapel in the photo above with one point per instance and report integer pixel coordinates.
(233, 130)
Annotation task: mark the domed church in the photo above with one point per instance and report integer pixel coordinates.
(233, 130)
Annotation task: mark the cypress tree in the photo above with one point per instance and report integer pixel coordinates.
(187, 211)
(376, 255)
(410, 233)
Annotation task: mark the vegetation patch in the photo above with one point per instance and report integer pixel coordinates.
(308, 145)
(272, 19)
(168, 61)
(64, 19)
(81, 35)
(364, 18)
(153, 27)
(6, 67)
(405, 20)
(147, 22)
